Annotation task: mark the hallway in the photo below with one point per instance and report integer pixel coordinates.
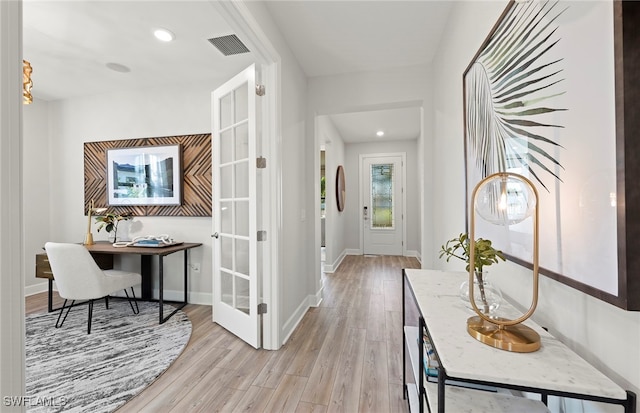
(345, 356)
(363, 309)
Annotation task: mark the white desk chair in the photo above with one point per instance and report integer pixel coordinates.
(78, 277)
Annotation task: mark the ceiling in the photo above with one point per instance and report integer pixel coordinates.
(361, 127)
(70, 43)
(334, 37)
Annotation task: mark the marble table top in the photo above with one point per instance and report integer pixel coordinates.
(553, 367)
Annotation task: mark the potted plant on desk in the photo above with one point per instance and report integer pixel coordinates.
(110, 223)
(484, 256)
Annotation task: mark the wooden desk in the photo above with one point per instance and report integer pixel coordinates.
(102, 248)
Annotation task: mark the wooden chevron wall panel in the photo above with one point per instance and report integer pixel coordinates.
(196, 170)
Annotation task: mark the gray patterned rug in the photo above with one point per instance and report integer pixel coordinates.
(72, 371)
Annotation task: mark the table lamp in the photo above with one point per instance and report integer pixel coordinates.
(88, 239)
(504, 198)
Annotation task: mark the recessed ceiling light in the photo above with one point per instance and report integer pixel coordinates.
(117, 67)
(380, 134)
(164, 35)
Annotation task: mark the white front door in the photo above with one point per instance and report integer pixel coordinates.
(382, 210)
(235, 259)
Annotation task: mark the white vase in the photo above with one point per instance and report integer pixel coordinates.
(486, 295)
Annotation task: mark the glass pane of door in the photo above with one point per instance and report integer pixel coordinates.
(382, 196)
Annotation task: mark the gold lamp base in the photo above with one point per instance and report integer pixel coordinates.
(517, 338)
(88, 239)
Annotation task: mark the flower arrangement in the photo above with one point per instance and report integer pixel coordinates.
(110, 222)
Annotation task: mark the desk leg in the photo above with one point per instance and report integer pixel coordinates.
(186, 259)
(161, 292)
(147, 279)
(50, 296)
(182, 304)
(631, 402)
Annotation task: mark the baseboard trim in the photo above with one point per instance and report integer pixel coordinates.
(331, 268)
(193, 297)
(173, 295)
(297, 316)
(353, 251)
(293, 321)
(36, 289)
(414, 254)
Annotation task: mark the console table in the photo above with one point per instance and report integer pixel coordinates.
(433, 309)
(102, 249)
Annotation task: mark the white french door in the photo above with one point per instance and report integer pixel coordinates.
(383, 204)
(235, 257)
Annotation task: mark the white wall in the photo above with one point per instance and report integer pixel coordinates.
(36, 194)
(297, 284)
(604, 335)
(352, 229)
(355, 92)
(335, 220)
(166, 111)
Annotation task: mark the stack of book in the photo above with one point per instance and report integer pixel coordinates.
(430, 361)
(148, 243)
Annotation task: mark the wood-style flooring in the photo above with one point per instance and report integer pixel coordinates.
(345, 356)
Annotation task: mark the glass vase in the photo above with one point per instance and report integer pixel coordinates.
(486, 295)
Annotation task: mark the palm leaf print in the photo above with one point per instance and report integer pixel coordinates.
(510, 91)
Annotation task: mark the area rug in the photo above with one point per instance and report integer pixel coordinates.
(68, 370)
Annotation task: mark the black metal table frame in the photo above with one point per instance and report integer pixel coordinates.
(147, 288)
(629, 404)
(146, 273)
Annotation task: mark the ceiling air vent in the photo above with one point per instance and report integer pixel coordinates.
(229, 45)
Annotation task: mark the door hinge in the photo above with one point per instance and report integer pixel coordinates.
(261, 162)
(260, 90)
(262, 235)
(262, 308)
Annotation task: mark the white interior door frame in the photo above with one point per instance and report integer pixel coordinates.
(12, 276)
(247, 28)
(361, 202)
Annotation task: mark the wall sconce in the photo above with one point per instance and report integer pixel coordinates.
(504, 198)
(88, 239)
(27, 83)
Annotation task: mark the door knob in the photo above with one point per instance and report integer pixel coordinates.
(215, 235)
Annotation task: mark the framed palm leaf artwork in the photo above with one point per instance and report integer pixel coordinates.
(543, 98)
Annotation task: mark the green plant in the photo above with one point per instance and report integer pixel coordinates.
(484, 255)
(110, 221)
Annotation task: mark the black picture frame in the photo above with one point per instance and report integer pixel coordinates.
(627, 153)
